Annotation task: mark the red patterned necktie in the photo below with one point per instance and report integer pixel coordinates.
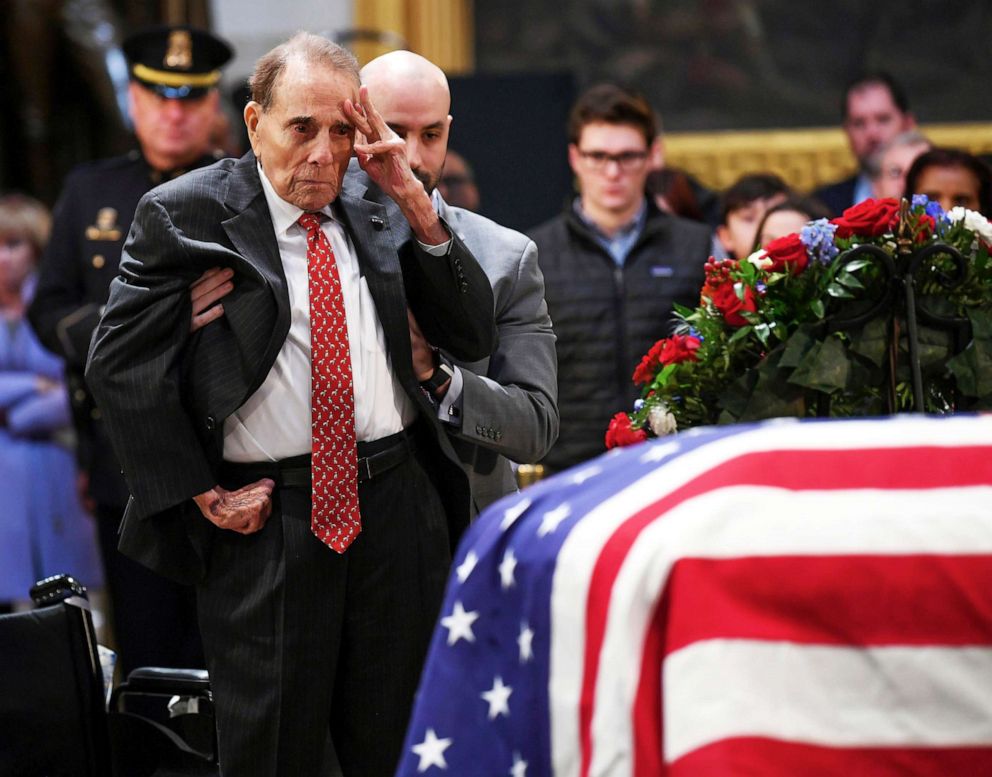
(335, 517)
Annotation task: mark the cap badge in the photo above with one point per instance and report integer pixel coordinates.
(179, 53)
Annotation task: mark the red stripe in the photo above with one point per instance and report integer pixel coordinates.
(828, 600)
(772, 758)
(920, 467)
(833, 600)
(648, 715)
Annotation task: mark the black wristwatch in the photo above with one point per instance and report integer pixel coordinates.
(443, 372)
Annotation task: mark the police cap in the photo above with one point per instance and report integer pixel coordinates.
(177, 62)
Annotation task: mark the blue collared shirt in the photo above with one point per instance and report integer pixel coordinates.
(620, 244)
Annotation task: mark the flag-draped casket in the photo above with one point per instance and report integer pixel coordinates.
(793, 597)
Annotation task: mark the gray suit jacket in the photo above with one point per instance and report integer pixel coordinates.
(165, 393)
(510, 399)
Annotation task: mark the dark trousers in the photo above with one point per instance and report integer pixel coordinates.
(155, 619)
(301, 640)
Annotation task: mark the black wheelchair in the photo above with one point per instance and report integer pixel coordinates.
(56, 719)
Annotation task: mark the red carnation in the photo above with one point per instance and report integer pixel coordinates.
(725, 299)
(649, 364)
(870, 218)
(787, 252)
(620, 433)
(679, 348)
(671, 350)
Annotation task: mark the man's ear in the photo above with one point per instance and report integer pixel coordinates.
(573, 158)
(656, 153)
(253, 112)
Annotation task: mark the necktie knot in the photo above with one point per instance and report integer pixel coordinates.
(311, 223)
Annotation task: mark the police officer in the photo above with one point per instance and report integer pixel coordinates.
(174, 106)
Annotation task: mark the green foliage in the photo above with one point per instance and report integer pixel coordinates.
(794, 356)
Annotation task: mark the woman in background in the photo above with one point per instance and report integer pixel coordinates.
(788, 216)
(953, 178)
(44, 529)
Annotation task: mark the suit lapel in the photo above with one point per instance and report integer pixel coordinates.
(250, 232)
(377, 233)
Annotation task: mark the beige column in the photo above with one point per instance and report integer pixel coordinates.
(440, 30)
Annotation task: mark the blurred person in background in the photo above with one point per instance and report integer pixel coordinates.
(788, 217)
(743, 205)
(892, 160)
(614, 265)
(457, 183)
(953, 178)
(673, 193)
(44, 529)
(174, 104)
(875, 109)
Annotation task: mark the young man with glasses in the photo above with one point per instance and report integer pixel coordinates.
(613, 267)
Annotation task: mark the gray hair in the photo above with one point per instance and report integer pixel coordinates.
(312, 49)
(912, 137)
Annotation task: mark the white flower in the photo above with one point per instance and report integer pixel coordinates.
(973, 220)
(760, 259)
(662, 422)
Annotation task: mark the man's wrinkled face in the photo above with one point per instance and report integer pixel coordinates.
(172, 133)
(417, 111)
(304, 140)
(610, 162)
(873, 119)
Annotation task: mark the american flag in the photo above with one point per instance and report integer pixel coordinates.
(786, 598)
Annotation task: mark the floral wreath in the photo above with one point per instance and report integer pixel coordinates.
(808, 326)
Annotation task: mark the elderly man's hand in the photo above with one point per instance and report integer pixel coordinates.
(244, 511)
(382, 155)
(214, 284)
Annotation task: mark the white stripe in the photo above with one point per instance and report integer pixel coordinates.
(581, 549)
(759, 521)
(831, 696)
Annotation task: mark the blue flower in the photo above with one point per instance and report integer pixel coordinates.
(638, 404)
(933, 208)
(920, 201)
(818, 237)
(693, 332)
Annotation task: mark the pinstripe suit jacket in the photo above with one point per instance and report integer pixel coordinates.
(165, 393)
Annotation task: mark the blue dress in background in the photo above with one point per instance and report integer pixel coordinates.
(44, 529)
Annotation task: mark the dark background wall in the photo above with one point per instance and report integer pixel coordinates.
(749, 64)
(512, 130)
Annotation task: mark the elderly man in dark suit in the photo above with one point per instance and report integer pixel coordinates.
(503, 408)
(319, 560)
(173, 101)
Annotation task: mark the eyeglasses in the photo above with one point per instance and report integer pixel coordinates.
(628, 161)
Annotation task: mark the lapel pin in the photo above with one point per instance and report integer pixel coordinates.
(377, 223)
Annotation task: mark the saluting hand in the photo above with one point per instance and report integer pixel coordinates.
(245, 510)
(382, 155)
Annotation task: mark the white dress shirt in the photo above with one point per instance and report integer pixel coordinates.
(274, 423)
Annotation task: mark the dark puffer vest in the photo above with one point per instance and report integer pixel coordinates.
(606, 317)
